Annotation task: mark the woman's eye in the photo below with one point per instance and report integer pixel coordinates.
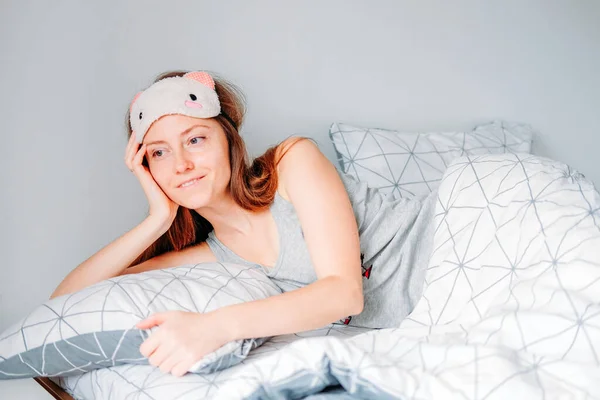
(154, 153)
(200, 138)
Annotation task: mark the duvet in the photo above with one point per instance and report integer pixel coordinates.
(510, 308)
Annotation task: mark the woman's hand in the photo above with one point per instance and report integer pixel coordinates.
(161, 206)
(182, 339)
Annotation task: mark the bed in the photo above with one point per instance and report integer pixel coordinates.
(510, 306)
(56, 391)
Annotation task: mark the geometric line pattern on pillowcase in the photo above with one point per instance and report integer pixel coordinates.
(412, 164)
(95, 326)
(126, 381)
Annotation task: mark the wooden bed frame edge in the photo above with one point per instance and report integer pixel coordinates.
(56, 391)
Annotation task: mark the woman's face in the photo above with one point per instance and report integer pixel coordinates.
(180, 148)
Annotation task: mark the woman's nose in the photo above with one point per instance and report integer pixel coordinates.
(182, 162)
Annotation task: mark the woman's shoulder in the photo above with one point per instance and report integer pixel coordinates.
(295, 150)
(288, 154)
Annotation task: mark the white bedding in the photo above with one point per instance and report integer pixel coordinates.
(148, 382)
(510, 308)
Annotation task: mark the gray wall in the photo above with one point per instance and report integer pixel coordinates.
(70, 68)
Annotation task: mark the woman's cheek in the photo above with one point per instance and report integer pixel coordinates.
(161, 179)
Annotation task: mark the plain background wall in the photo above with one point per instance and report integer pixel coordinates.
(69, 70)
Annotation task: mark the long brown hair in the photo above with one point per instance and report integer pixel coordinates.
(252, 185)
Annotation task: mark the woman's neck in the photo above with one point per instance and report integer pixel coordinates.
(229, 219)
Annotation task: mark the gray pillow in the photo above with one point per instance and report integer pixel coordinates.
(95, 327)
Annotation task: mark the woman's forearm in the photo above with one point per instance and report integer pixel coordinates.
(112, 259)
(313, 306)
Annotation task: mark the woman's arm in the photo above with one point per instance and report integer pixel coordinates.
(195, 254)
(113, 259)
(325, 301)
(323, 207)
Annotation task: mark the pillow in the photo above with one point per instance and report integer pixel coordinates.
(95, 327)
(407, 164)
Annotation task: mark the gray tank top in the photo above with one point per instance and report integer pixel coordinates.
(395, 243)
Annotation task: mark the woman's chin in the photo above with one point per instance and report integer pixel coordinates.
(194, 202)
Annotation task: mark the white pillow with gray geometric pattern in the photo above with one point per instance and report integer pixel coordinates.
(408, 164)
(95, 327)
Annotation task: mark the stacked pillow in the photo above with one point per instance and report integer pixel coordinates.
(95, 327)
(411, 164)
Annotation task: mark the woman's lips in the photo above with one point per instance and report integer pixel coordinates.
(190, 184)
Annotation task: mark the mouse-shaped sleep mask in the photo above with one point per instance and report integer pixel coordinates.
(192, 94)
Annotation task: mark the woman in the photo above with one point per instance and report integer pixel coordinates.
(290, 213)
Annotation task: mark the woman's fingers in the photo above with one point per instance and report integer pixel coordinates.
(129, 145)
(158, 356)
(139, 157)
(170, 362)
(160, 204)
(130, 151)
(146, 179)
(180, 369)
(135, 156)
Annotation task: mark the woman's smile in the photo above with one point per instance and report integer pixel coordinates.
(190, 183)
